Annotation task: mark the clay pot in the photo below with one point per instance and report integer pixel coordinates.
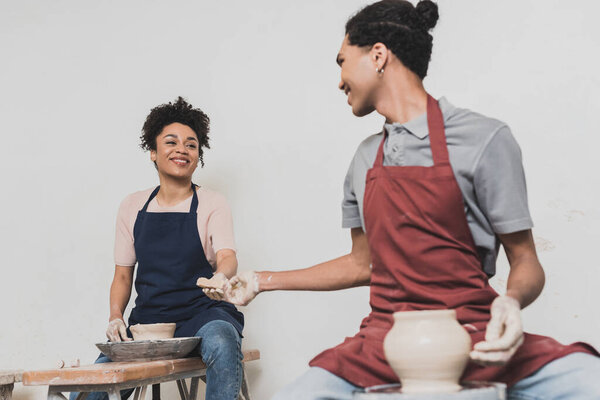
(428, 350)
(152, 331)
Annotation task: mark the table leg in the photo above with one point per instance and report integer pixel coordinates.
(82, 396)
(6, 391)
(113, 394)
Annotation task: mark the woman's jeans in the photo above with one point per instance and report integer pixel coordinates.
(573, 377)
(221, 350)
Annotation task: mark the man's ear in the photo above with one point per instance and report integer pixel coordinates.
(379, 55)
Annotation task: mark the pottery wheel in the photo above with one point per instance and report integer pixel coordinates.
(470, 391)
(149, 350)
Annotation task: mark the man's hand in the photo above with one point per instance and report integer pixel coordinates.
(242, 288)
(213, 287)
(117, 331)
(504, 333)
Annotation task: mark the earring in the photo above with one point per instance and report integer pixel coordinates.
(379, 71)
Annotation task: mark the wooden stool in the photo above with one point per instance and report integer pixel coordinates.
(112, 377)
(7, 382)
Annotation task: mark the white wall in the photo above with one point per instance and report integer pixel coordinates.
(78, 78)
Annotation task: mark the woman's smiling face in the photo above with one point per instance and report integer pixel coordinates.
(176, 153)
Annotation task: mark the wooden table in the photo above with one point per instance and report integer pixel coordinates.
(7, 382)
(112, 377)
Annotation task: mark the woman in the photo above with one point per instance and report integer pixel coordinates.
(177, 233)
(428, 201)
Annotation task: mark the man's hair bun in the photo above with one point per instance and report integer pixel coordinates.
(428, 11)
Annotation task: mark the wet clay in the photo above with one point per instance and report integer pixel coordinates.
(208, 284)
(152, 331)
(428, 350)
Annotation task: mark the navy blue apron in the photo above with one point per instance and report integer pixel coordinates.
(170, 260)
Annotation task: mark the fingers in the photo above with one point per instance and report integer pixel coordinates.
(495, 358)
(214, 294)
(512, 337)
(496, 325)
(113, 334)
(503, 336)
(235, 281)
(123, 332)
(113, 337)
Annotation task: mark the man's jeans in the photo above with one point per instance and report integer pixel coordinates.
(573, 377)
(221, 350)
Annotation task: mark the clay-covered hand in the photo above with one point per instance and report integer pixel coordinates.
(242, 288)
(504, 333)
(117, 331)
(213, 287)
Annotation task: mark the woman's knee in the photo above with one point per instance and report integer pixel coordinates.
(220, 339)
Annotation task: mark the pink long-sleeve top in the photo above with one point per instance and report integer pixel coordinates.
(215, 224)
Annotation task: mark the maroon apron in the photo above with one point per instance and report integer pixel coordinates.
(424, 258)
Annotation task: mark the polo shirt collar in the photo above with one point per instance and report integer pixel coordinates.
(418, 126)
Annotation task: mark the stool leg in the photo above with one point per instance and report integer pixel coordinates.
(143, 393)
(6, 391)
(194, 388)
(156, 391)
(183, 393)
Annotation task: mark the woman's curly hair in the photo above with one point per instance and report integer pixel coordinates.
(180, 111)
(402, 27)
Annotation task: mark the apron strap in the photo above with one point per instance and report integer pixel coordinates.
(153, 195)
(437, 135)
(193, 206)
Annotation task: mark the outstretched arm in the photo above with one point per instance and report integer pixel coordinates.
(350, 270)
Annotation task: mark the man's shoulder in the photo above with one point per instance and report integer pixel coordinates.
(463, 122)
(367, 149)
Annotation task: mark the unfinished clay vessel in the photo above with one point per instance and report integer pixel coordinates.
(428, 350)
(152, 331)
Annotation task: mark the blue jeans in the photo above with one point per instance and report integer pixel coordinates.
(573, 377)
(221, 350)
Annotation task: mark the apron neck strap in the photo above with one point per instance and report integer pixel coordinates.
(437, 135)
(193, 206)
(153, 195)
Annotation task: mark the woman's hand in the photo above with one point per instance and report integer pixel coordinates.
(117, 331)
(504, 333)
(214, 287)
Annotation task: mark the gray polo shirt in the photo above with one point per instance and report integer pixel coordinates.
(486, 161)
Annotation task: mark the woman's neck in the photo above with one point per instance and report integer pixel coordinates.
(173, 191)
(402, 99)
